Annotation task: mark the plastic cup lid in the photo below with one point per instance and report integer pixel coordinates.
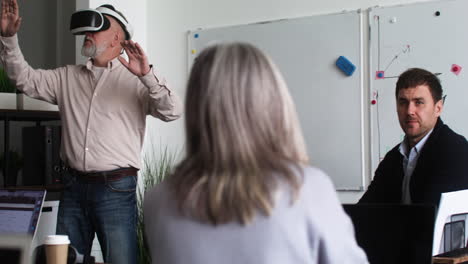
(57, 240)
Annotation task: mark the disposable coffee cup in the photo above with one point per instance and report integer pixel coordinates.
(56, 247)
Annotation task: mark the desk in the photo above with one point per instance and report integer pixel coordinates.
(452, 257)
(439, 260)
(20, 115)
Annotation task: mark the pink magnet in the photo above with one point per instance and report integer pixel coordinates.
(379, 75)
(456, 69)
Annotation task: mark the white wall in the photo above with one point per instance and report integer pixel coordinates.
(36, 24)
(169, 21)
(44, 36)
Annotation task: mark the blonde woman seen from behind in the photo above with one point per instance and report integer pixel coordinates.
(244, 192)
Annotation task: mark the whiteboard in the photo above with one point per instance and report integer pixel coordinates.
(429, 35)
(329, 103)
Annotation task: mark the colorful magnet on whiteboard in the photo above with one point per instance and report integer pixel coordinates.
(195, 36)
(379, 75)
(375, 95)
(456, 69)
(345, 65)
(194, 51)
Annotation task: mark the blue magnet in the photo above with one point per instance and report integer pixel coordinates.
(345, 65)
(195, 36)
(380, 75)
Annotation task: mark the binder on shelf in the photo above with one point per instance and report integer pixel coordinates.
(41, 154)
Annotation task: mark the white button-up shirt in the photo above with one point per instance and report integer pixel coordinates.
(409, 163)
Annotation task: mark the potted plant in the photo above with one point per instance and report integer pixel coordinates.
(15, 164)
(7, 92)
(157, 164)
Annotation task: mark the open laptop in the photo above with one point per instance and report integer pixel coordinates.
(394, 233)
(451, 226)
(20, 211)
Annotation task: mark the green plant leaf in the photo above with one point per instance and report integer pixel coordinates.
(156, 166)
(15, 160)
(6, 86)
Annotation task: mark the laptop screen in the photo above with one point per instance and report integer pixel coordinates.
(394, 233)
(20, 210)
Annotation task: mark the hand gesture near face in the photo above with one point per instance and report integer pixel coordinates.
(10, 21)
(137, 60)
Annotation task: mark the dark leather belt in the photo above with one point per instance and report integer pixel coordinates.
(104, 176)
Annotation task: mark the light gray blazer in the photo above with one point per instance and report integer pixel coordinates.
(315, 229)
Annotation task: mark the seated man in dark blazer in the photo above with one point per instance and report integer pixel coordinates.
(431, 159)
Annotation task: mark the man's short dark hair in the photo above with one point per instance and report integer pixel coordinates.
(415, 77)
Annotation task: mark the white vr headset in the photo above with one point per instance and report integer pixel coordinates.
(94, 20)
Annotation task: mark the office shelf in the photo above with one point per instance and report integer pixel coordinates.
(8, 115)
(28, 115)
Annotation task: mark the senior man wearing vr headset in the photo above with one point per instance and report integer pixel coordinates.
(103, 107)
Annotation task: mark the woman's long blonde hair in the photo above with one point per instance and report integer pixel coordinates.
(243, 136)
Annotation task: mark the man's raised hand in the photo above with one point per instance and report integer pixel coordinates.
(10, 20)
(137, 60)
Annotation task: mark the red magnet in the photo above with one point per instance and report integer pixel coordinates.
(456, 69)
(374, 102)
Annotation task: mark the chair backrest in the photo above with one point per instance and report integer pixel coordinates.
(394, 233)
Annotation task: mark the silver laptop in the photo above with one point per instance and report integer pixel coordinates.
(20, 211)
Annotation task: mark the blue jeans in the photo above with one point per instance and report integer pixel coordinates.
(107, 209)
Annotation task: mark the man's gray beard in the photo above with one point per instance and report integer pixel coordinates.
(93, 51)
(89, 51)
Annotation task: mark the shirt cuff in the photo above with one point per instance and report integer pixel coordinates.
(154, 81)
(9, 43)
